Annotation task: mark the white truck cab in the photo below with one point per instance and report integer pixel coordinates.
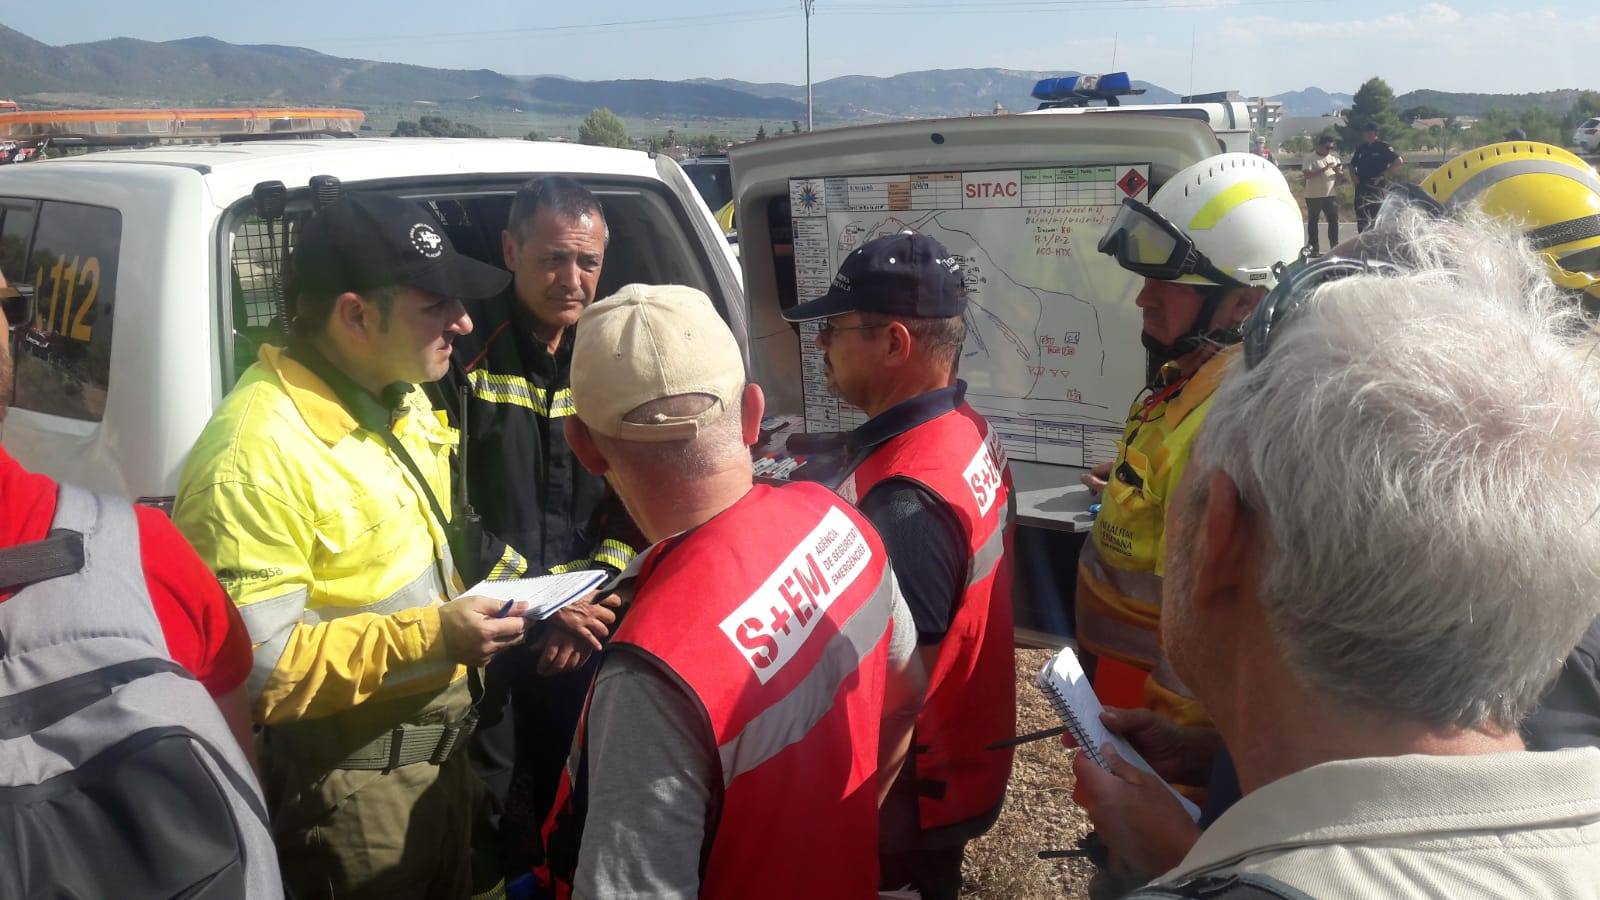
(155, 281)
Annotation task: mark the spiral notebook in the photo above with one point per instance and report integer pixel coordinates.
(1067, 688)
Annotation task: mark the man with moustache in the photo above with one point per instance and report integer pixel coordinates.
(508, 389)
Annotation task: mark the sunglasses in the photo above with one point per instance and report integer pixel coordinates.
(827, 329)
(1296, 283)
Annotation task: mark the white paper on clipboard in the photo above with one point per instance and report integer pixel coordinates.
(545, 595)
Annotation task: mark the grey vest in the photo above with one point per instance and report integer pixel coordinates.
(118, 775)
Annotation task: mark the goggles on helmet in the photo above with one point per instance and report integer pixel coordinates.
(1296, 282)
(1578, 270)
(1145, 243)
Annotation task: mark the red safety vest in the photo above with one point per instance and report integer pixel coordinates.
(972, 692)
(775, 618)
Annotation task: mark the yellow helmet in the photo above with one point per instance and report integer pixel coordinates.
(1551, 192)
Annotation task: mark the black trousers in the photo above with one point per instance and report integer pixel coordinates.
(935, 873)
(519, 749)
(1368, 199)
(1328, 209)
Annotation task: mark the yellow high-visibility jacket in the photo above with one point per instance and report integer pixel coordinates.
(324, 541)
(1121, 565)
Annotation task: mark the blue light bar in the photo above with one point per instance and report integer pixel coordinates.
(1069, 87)
(1045, 88)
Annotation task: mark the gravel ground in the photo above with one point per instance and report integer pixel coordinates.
(1039, 813)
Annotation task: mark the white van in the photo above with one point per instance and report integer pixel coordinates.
(155, 280)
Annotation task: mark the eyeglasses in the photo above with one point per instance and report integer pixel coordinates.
(17, 303)
(1296, 283)
(1145, 243)
(827, 329)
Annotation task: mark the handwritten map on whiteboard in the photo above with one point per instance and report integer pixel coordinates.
(1052, 356)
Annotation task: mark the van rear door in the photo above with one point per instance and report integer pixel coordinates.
(1052, 356)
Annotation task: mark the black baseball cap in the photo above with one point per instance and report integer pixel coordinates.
(904, 274)
(364, 241)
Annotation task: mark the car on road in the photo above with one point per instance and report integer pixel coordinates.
(1587, 135)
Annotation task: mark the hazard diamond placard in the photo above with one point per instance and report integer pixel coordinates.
(1133, 182)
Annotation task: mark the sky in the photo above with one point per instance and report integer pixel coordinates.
(1255, 46)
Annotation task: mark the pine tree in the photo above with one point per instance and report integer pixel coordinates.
(603, 128)
(1373, 104)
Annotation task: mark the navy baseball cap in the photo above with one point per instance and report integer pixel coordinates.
(362, 242)
(905, 274)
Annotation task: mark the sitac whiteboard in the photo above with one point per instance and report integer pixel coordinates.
(1052, 357)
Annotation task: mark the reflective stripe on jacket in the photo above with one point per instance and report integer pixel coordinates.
(774, 617)
(324, 540)
(1120, 568)
(542, 510)
(972, 696)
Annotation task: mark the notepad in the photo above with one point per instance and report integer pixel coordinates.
(1068, 690)
(545, 595)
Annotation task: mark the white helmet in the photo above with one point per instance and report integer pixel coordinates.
(1226, 220)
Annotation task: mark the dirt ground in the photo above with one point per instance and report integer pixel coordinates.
(1039, 813)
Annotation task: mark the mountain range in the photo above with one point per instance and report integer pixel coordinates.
(204, 71)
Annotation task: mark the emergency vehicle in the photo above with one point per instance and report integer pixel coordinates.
(1224, 112)
(1050, 498)
(157, 272)
(156, 276)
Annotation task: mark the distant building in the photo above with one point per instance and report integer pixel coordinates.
(1425, 124)
(1264, 117)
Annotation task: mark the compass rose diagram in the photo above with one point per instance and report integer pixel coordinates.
(806, 197)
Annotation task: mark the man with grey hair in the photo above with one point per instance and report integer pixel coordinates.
(1340, 597)
(764, 663)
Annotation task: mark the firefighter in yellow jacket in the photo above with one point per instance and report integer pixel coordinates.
(1206, 244)
(319, 493)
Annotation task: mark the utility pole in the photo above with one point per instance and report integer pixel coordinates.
(809, 6)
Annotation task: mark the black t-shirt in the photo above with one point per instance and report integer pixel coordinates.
(1370, 161)
(926, 550)
(1569, 713)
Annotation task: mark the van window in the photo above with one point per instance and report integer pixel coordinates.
(16, 231)
(64, 360)
(651, 242)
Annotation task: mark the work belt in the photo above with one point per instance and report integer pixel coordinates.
(409, 744)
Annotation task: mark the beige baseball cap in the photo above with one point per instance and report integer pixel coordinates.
(648, 342)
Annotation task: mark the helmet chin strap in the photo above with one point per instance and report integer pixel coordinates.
(1200, 334)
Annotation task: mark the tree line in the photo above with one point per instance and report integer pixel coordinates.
(1375, 103)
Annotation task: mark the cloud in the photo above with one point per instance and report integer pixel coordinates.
(1424, 20)
(1434, 45)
